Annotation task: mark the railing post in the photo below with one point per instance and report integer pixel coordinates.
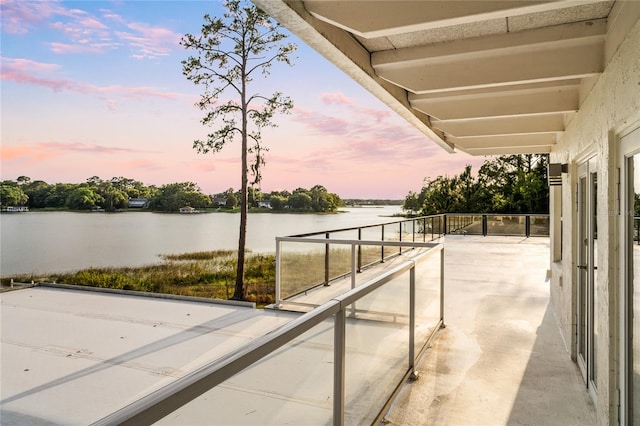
(412, 318)
(353, 277)
(527, 226)
(382, 247)
(485, 229)
(400, 248)
(359, 250)
(413, 230)
(339, 334)
(326, 261)
(444, 219)
(353, 266)
(424, 229)
(278, 295)
(442, 287)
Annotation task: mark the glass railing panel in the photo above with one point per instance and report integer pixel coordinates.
(293, 385)
(427, 301)
(539, 226)
(392, 232)
(302, 267)
(371, 254)
(506, 225)
(408, 230)
(340, 254)
(377, 341)
(437, 226)
(456, 223)
(464, 224)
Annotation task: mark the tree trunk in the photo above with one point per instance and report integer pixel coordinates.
(240, 292)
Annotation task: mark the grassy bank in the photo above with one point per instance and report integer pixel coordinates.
(212, 274)
(202, 274)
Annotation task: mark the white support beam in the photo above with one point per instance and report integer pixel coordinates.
(528, 124)
(505, 141)
(500, 103)
(559, 52)
(508, 151)
(387, 18)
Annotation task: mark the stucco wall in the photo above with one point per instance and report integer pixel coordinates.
(614, 100)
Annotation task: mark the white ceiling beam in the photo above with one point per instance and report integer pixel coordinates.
(508, 151)
(543, 100)
(387, 18)
(529, 124)
(560, 52)
(504, 141)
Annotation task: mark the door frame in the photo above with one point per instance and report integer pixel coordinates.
(626, 149)
(585, 270)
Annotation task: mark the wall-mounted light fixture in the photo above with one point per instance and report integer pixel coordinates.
(554, 173)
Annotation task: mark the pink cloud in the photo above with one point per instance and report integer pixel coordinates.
(86, 33)
(63, 48)
(19, 17)
(140, 164)
(45, 150)
(322, 124)
(335, 98)
(364, 138)
(150, 42)
(84, 147)
(25, 71)
(30, 154)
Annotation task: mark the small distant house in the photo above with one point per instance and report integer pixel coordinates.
(138, 202)
(188, 209)
(219, 201)
(264, 204)
(16, 209)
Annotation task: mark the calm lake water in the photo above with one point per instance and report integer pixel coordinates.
(40, 242)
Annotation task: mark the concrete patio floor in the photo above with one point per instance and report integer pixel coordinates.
(500, 359)
(71, 357)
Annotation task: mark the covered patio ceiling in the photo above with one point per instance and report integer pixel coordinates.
(483, 77)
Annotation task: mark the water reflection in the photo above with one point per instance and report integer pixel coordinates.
(64, 241)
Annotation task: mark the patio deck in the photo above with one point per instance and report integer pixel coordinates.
(73, 357)
(500, 359)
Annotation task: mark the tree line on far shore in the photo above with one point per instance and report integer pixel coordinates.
(505, 184)
(115, 194)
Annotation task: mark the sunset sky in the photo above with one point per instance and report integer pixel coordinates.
(95, 88)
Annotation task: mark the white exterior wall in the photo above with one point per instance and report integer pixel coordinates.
(612, 103)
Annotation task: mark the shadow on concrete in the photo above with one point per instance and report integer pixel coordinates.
(552, 391)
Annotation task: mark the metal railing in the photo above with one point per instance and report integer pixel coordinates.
(330, 261)
(526, 225)
(404, 286)
(326, 263)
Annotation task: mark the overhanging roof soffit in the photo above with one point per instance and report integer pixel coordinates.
(485, 103)
(561, 52)
(388, 18)
(487, 77)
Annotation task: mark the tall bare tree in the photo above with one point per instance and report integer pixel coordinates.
(228, 54)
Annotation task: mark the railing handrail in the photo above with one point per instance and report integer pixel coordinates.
(357, 242)
(172, 396)
(355, 228)
(495, 214)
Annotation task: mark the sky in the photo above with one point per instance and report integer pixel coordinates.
(95, 88)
